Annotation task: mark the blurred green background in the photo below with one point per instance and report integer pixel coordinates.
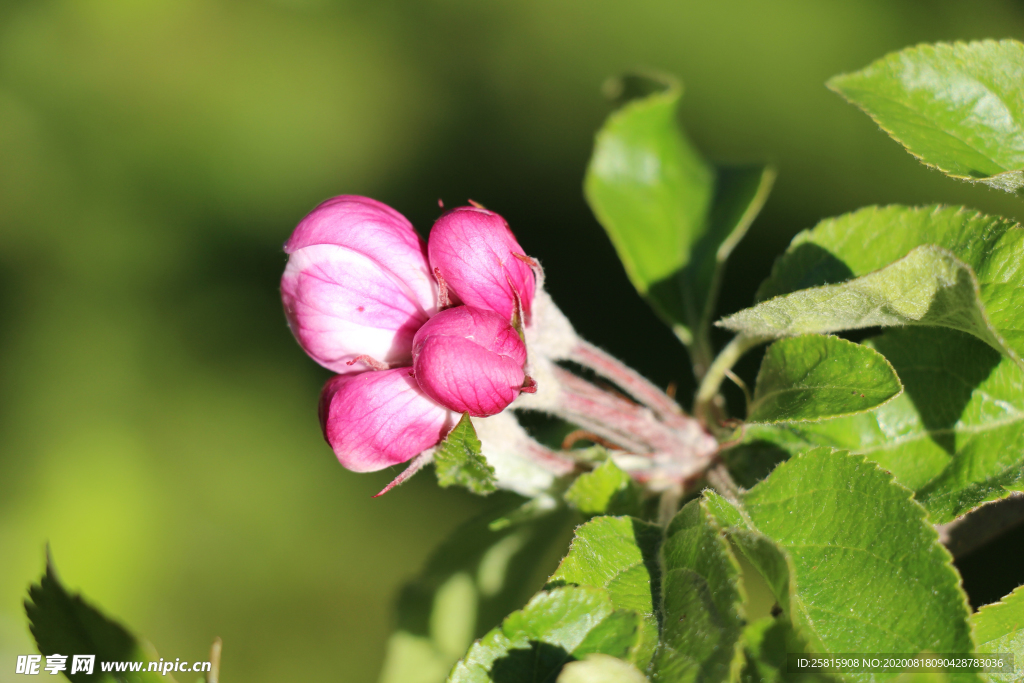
(157, 422)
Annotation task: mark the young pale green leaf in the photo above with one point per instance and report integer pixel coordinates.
(619, 554)
(472, 581)
(958, 108)
(999, 628)
(812, 377)
(556, 627)
(458, 460)
(703, 614)
(929, 286)
(852, 559)
(63, 623)
(934, 266)
(606, 490)
(599, 668)
(956, 435)
(671, 222)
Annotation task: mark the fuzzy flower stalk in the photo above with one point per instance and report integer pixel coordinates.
(421, 333)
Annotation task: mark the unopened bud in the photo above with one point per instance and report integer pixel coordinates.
(469, 360)
(476, 253)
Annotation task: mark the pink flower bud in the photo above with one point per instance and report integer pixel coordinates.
(374, 420)
(357, 283)
(474, 251)
(469, 360)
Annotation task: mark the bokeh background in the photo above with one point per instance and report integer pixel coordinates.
(157, 422)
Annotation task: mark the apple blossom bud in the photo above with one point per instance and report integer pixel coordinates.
(469, 360)
(474, 251)
(374, 420)
(357, 284)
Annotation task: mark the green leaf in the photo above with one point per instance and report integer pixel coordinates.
(811, 377)
(740, 192)
(63, 623)
(852, 559)
(598, 668)
(766, 643)
(958, 108)
(619, 554)
(999, 628)
(458, 460)
(472, 581)
(934, 266)
(929, 286)
(672, 219)
(956, 435)
(703, 615)
(605, 490)
(761, 449)
(556, 627)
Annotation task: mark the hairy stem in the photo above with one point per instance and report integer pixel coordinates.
(608, 415)
(631, 381)
(554, 462)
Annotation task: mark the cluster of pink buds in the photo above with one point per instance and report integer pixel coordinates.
(422, 332)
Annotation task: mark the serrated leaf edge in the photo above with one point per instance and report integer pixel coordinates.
(1010, 180)
(1003, 348)
(803, 623)
(995, 606)
(750, 408)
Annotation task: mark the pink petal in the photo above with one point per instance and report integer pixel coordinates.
(484, 327)
(474, 251)
(469, 360)
(374, 420)
(341, 304)
(375, 230)
(357, 283)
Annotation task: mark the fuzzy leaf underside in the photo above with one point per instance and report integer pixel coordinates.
(956, 107)
(896, 266)
(813, 377)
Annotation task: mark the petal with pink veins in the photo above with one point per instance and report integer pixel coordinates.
(469, 360)
(475, 252)
(357, 283)
(374, 420)
(340, 305)
(375, 230)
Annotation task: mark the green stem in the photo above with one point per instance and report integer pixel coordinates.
(700, 353)
(716, 372)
